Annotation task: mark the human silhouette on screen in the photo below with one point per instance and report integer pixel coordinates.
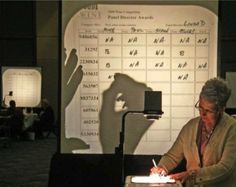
(131, 92)
(71, 78)
(123, 88)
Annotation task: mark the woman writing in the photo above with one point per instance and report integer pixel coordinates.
(207, 142)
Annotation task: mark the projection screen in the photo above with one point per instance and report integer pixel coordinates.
(22, 84)
(114, 51)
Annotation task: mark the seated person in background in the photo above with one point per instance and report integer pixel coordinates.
(15, 121)
(46, 119)
(29, 118)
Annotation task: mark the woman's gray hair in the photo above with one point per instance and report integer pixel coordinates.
(216, 90)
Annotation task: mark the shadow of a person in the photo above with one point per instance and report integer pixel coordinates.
(72, 76)
(126, 89)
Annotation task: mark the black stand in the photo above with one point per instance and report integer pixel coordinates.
(120, 149)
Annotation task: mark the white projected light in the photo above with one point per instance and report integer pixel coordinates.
(25, 85)
(152, 179)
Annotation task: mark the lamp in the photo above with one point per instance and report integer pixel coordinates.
(153, 105)
(152, 111)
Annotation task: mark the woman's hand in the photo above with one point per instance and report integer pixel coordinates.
(157, 170)
(182, 176)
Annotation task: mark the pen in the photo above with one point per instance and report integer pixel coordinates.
(154, 163)
(163, 173)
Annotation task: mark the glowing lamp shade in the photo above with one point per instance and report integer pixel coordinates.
(24, 83)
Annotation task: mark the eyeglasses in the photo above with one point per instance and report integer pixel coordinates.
(205, 111)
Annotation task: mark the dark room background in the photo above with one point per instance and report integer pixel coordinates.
(29, 35)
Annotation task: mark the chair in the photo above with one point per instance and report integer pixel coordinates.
(5, 134)
(53, 129)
